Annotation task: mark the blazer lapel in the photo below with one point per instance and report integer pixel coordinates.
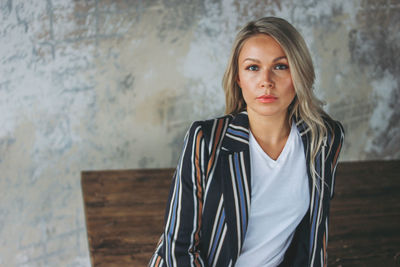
(305, 134)
(236, 182)
(317, 190)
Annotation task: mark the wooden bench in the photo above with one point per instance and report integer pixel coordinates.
(125, 212)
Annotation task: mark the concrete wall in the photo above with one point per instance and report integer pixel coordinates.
(102, 84)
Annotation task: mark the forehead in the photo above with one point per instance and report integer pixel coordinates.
(261, 45)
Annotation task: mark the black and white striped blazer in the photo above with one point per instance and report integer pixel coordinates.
(209, 202)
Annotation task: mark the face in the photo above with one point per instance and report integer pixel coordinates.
(264, 77)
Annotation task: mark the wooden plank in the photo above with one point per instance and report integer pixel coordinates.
(365, 215)
(125, 213)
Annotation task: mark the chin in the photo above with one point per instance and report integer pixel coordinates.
(268, 112)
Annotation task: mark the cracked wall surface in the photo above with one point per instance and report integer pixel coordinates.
(114, 84)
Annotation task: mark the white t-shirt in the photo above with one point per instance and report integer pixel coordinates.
(279, 200)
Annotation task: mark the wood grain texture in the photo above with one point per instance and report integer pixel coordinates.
(125, 212)
(365, 215)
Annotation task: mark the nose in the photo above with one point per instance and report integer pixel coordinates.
(267, 80)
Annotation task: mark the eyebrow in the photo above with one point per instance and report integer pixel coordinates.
(258, 61)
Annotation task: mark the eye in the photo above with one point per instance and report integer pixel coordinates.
(252, 68)
(281, 67)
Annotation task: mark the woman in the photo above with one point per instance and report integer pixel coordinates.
(252, 188)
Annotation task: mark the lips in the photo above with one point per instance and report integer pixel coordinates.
(267, 98)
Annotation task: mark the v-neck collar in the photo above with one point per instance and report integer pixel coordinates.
(284, 153)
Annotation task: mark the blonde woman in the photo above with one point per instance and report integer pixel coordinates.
(253, 188)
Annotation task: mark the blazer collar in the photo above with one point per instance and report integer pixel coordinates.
(236, 138)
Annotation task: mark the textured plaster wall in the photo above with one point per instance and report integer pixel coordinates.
(102, 84)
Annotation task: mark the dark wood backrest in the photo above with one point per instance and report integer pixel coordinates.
(125, 212)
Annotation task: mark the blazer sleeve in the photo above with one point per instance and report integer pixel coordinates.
(337, 140)
(179, 243)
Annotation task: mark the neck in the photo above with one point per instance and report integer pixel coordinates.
(269, 129)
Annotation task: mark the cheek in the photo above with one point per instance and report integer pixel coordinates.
(248, 94)
(245, 87)
(245, 94)
(291, 93)
(288, 85)
(241, 78)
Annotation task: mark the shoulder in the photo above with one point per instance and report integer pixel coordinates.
(209, 127)
(334, 127)
(335, 134)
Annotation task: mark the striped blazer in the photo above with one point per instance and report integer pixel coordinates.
(209, 202)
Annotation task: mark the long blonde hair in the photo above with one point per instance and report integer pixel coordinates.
(306, 105)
